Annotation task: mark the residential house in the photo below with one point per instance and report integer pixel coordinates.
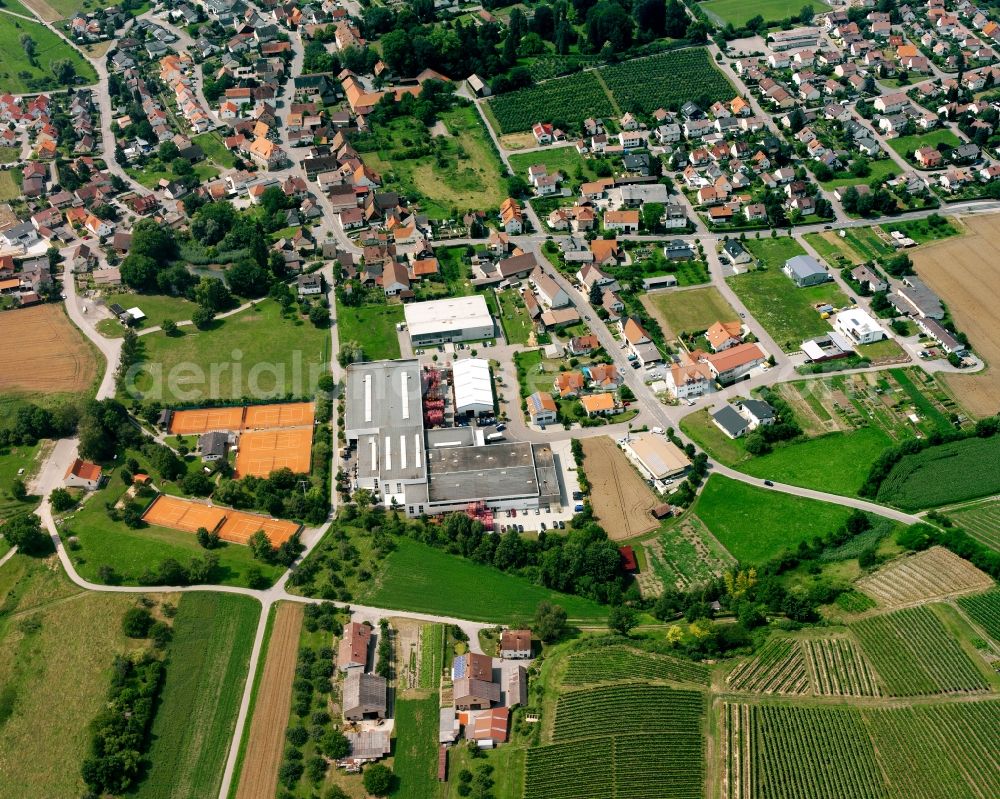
(723, 335)
(602, 404)
(549, 290)
(542, 408)
(83, 474)
(515, 644)
(733, 363)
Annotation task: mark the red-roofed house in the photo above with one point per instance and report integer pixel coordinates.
(353, 650)
(83, 474)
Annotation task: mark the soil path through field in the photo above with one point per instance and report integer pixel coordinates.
(266, 741)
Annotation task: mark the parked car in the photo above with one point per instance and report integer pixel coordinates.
(543, 527)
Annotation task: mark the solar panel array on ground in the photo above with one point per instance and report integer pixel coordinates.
(264, 451)
(231, 525)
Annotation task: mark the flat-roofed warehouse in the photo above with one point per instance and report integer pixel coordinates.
(504, 475)
(383, 419)
(473, 385)
(451, 319)
(656, 457)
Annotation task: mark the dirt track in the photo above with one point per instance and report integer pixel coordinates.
(620, 498)
(965, 272)
(50, 356)
(266, 743)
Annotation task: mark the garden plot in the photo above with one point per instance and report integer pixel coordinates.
(686, 555)
(933, 574)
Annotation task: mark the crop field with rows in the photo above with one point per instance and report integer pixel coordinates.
(590, 762)
(612, 663)
(931, 574)
(952, 472)
(839, 668)
(914, 654)
(981, 521)
(779, 668)
(649, 708)
(984, 610)
(947, 751)
(576, 96)
(785, 752)
(663, 745)
(667, 80)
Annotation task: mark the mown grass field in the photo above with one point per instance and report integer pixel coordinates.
(556, 159)
(458, 171)
(373, 327)
(755, 524)
(206, 672)
(132, 552)
(694, 309)
(415, 753)
(12, 460)
(906, 145)
(738, 12)
(276, 355)
(56, 648)
(213, 146)
(513, 317)
(18, 74)
(9, 190)
(879, 170)
(421, 578)
(837, 462)
(157, 307)
(953, 472)
(784, 309)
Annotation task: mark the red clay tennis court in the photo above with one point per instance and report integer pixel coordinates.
(264, 451)
(204, 420)
(286, 414)
(250, 417)
(239, 526)
(232, 525)
(182, 514)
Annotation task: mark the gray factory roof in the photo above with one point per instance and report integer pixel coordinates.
(505, 470)
(384, 414)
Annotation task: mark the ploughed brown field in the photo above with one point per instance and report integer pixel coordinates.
(621, 499)
(45, 353)
(266, 741)
(965, 272)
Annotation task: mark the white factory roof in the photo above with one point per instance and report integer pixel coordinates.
(473, 385)
(453, 313)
